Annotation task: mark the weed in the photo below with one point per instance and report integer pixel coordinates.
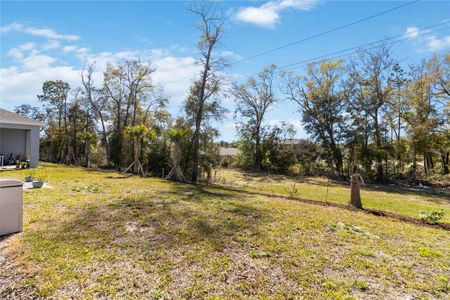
(432, 217)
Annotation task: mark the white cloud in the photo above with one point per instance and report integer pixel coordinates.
(35, 62)
(50, 34)
(23, 81)
(260, 16)
(52, 44)
(19, 51)
(20, 86)
(230, 54)
(41, 32)
(27, 46)
(15, 53)
(69, 48)
(429, 43)
(412, 32)
(267, 15)
(434, 43)
(11, 27)
(174, 73)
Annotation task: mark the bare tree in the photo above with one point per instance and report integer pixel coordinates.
(210, 26)
(98, 103)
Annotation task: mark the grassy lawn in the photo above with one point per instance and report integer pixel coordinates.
(97, 234)
(393, 199)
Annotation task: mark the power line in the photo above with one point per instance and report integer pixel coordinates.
(304, 62)
(391, 43)
(325, 32)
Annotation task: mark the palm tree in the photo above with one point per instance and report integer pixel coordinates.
(176, 135)
(138, 133)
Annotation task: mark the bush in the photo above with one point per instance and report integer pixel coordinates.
(292, 190)
(225, 164)
(431, 217)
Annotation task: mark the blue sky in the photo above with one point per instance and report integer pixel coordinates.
(50, 40)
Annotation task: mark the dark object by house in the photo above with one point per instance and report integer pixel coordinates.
(20, 137)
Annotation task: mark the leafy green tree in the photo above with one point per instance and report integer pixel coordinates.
(279, 156)
(421, 115)
(31, 112)
(397, 107)
(370, 91)
(128, 89)
(321, 96)
(253, 100)
(89, 139)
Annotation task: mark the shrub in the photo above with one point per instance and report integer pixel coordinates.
(427, 252)
(225, 164)
(432, 217)
(292, 190)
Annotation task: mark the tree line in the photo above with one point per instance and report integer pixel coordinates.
(367, 112)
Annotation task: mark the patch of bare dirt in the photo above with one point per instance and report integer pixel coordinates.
(12, 276)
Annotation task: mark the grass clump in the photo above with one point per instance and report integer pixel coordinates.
(427, 252)
(432, 217)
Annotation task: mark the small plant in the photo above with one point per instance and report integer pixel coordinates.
(432, 217)
(40, 178)
(445, 284)
(360, 285)
(256, 254)
(30, 176)
(292, 190)
(157, 294)
(427, 252)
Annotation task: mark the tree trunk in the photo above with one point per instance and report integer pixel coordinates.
(258, 154)
(137, 153)
(414, 171)
(444, 160)
(337, 155)
(379, 175)
(399, 128)
(198, 119)
(176, 174)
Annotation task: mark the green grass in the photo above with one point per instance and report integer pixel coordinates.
(393, 199)
(98, 234)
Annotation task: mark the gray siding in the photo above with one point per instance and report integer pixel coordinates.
(13, 141)
(34, 146)
(20, 140)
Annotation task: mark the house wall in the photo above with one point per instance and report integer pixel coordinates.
(13, 141)
(22, 140)
(34, 146)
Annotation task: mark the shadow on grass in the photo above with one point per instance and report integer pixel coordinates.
(436, 196)
(371, 211)
(189, 216)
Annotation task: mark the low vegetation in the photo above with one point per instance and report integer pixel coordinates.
(425, 204)
(98, 234)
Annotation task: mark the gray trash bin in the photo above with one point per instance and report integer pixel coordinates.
(11, 206)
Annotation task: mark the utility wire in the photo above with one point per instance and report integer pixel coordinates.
(325, 32)
(306, 61)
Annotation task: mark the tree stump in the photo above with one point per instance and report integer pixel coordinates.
(355, 195)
